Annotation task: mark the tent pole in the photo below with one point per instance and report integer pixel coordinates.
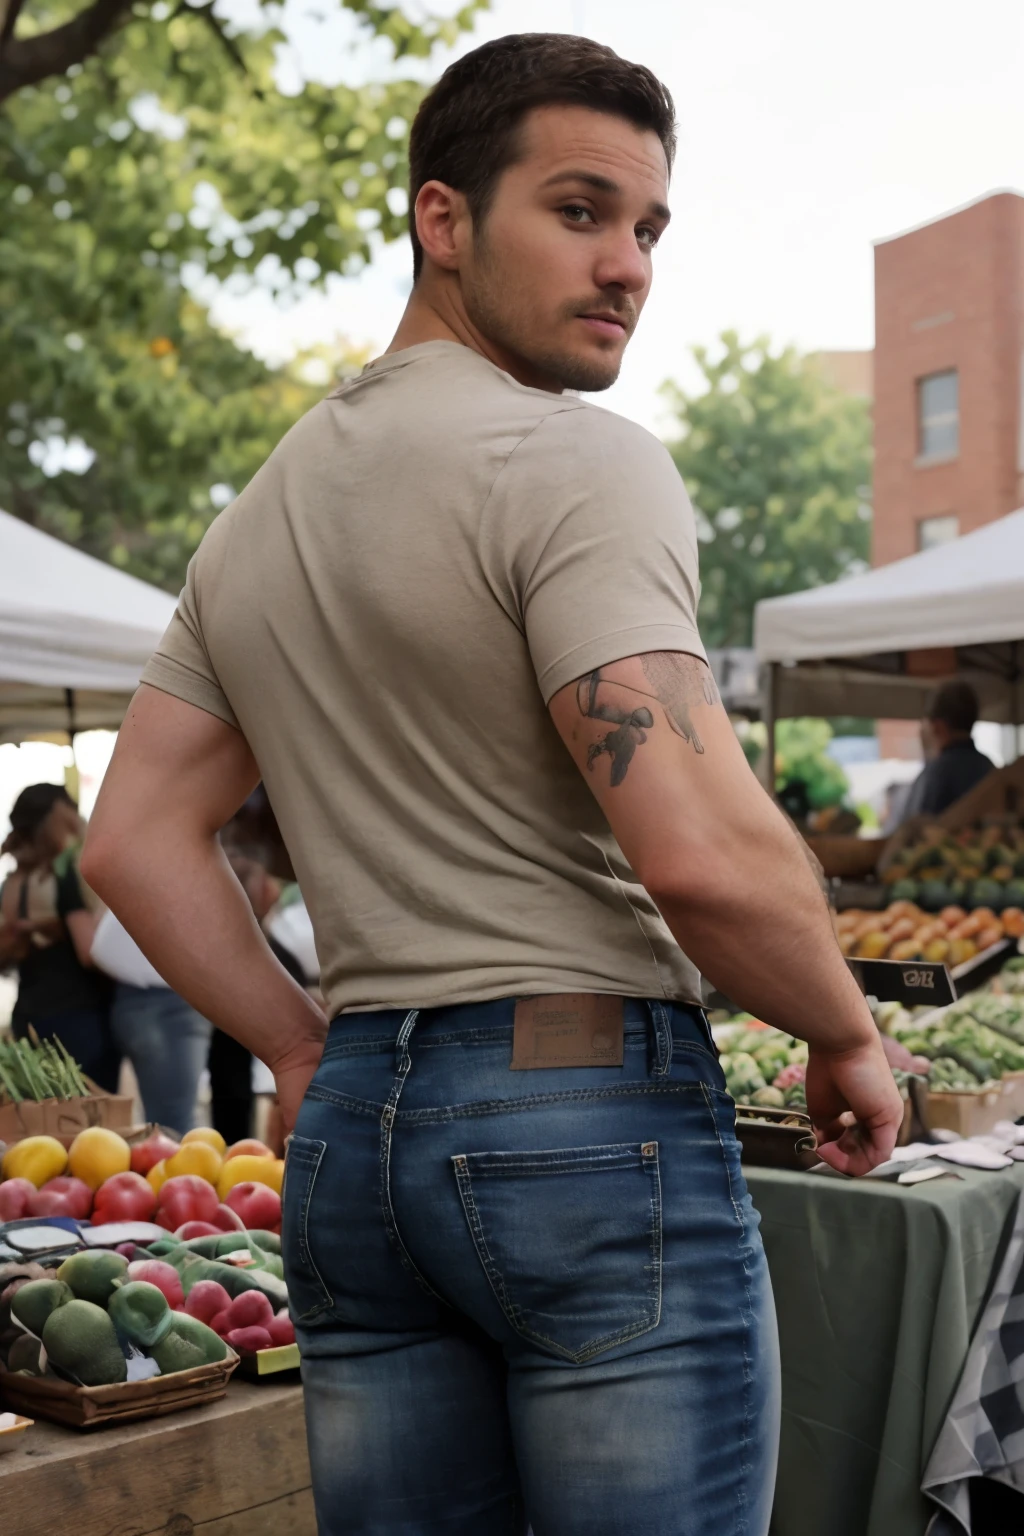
(771, 704)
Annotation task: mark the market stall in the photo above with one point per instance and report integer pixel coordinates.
(75, 634)
(878, 644)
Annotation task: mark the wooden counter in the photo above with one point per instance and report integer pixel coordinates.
(236, 1468)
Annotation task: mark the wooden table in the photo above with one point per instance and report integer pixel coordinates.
(235, 1468)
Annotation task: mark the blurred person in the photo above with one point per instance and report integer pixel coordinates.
(47, 923)
(165, 1039)
(524, 1266)
(230, 1063)
(953, 764)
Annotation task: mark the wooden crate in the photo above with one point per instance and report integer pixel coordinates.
(238, 1467)
(64, 1118)
(846, 858)
(62, 1402)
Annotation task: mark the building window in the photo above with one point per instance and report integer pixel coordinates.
(938, 416)
(933, 531)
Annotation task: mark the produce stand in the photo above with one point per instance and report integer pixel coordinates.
(236, 1468)
(877, 1289)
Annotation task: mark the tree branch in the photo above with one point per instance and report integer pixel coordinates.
(28, 60)
(9, 10)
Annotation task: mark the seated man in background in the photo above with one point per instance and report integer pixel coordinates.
(953, 763)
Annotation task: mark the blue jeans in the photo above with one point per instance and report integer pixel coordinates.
(530, 1296)
(166, 1042)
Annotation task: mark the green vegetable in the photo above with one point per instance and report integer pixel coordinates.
(32, 1304)
(186, 1344)
(769, 1098)
(93, 1274)
(141, 1312)
(80, 1338)
(192, 1268)
(30, 1069)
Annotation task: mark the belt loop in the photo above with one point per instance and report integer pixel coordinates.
(403, 1060)
(662, 1032)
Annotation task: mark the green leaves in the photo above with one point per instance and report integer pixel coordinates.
(778, 467)
(167, 156)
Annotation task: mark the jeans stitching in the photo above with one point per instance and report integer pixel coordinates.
(445, 1114)
(579, 1160)
(312, 1163)
(512, 1313)
(387, 1121)
(748, 1318)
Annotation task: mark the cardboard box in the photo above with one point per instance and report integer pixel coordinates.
(972, 1114)
(64, 1118)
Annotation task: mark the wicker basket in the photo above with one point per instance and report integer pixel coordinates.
(44, 1397)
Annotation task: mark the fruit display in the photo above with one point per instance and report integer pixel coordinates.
(904, 931)
(972, 1043)
(977, 867)
(762, 1066)
(193, 1188)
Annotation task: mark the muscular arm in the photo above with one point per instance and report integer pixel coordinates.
(729, 875)
(152, 854)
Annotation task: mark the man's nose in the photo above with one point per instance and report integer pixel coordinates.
(622, 263)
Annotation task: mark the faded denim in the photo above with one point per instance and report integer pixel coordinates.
(528, 1297)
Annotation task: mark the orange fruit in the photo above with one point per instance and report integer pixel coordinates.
(211, 1137)
(195, 1157)
(248, 1148)
(157, 1175)
(97, 1154)
(242, 1169)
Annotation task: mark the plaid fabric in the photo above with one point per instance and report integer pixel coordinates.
(983, 1435)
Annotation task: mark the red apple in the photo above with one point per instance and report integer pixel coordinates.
(186, 1197)
(206, 1301)
(258, 1205)
(164, 1276)
(251, 1309)
(248, 1340)
(63, 1196)
(221, 1323)
(124, 1197)
(190, 1229)
(281, 1329)
(146, 1154)
(227, 1220)
(14, 1197)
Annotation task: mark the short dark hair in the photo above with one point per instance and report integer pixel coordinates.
(956, 704)
(465, 132)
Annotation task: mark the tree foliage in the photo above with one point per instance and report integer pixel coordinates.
(142, 150)
(778, 465)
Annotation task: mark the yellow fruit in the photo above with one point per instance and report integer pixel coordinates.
(905, 949)
(873, 945)
(258, 1170)
(36, 1158)
(97, 1154)
(157, 1175)
(936, 950)
(195, 1157)
(211, 1137)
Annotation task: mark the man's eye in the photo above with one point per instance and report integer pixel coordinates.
(648, 236)
(576, 213)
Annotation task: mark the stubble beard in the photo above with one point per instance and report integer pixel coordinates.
(491, 304)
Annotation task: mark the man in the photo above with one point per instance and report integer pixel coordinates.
(953, 764)
(523, 1263)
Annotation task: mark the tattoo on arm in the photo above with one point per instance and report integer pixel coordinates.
(678, 683)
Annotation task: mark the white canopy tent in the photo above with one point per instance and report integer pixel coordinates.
(75, 634)
(878, 644)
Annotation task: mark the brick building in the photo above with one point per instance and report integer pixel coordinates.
(948, 386)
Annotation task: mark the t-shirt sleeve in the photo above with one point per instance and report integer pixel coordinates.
(181, 663)
(590, 541)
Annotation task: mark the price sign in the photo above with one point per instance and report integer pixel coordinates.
(910, 982)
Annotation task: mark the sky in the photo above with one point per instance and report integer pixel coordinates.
(807, 131)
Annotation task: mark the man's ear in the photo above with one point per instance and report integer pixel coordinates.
(442, 222)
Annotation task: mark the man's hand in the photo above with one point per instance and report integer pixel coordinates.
(855, 1107)
(293, 1073)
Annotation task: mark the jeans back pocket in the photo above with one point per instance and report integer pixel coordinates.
(308, 1296)
(570, 1241)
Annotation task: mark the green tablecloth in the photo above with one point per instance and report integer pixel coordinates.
(877, 1287)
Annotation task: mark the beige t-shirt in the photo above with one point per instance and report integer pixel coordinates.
(384, 612)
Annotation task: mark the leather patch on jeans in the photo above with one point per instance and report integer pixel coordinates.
(567, 1029)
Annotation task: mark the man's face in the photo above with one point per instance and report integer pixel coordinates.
(559, 270)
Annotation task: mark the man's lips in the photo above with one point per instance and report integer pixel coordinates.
(606, 324)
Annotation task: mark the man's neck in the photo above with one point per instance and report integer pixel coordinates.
(435, 312)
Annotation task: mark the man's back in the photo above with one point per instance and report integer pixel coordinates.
(427, 558)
